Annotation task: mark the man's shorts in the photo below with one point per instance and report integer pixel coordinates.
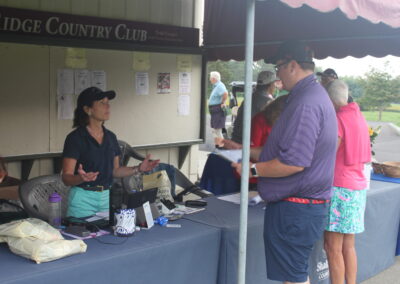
(346, 213)
(290, 232)
(84, 203)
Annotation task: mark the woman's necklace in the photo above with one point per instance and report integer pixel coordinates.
(97, 135)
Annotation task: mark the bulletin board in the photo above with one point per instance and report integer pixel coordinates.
(29, 119)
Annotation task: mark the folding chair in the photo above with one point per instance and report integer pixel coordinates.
(179, 178)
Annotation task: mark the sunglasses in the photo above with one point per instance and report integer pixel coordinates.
(279, 66)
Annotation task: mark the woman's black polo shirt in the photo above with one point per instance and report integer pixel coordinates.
(94, 157)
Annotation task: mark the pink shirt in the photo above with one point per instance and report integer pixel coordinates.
(354, 150)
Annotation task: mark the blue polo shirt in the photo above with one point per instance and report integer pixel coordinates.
(217, 93)
(305, 135)
(94, 157)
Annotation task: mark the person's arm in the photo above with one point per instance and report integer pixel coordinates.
(273, 169)
(224, 97)
(276, 169)
(70, 178)
(145, 166)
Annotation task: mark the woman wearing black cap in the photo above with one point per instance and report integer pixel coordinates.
(91, 156)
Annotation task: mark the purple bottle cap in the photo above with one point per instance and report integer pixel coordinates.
(55, 197)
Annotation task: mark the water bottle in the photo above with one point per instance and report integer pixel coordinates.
(55, 210)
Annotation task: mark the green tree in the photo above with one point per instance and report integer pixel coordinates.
(380, 91)
(235, 71)
(355, 84)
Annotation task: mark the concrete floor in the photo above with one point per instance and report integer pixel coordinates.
(389, 276)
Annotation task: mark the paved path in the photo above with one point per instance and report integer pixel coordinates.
(387, 143)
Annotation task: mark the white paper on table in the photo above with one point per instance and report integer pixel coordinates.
(182, 209)
(142, 83)
(65, 82)
(184, 82)
(82, 80)
(254, 198)
(184, 105)
(234, 198)
(65, 109)
(230, 155)
(98, 79)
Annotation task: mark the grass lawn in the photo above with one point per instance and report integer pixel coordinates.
(393, 117)
(395, 107)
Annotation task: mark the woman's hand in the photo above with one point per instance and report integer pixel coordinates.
(91, 176)
(147, 164)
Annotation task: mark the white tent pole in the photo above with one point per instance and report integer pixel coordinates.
(244, 187)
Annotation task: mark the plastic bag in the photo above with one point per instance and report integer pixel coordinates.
(37, 240)
(44, 251)
(30, 227)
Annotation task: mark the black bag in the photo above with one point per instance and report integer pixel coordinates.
(6, 217)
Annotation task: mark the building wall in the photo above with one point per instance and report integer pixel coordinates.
(168, 12)
(32, 70)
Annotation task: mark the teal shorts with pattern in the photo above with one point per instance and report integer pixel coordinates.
(346, 212)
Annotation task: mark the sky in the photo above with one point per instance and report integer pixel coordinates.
(351, 66)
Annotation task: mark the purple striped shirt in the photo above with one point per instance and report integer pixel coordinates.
(305, 135)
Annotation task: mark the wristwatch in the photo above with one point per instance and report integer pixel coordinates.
(253, 170)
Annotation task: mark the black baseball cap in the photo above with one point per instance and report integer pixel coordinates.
(292, 50)
(328, 72)
(91, 94)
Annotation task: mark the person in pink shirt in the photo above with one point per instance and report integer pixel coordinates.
(346, 214)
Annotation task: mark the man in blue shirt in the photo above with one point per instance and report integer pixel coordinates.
(216, 104)
(295, 167)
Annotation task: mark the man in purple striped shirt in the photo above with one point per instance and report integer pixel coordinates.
(295, 167)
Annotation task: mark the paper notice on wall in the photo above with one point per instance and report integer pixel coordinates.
(65, 82)
(82, 80)
(141, 61)
(184, 82)
(75, 58)
(65, 105)
(184, 63)
(98, 79)
(163, 83)
(142, 83)
(183, 105)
